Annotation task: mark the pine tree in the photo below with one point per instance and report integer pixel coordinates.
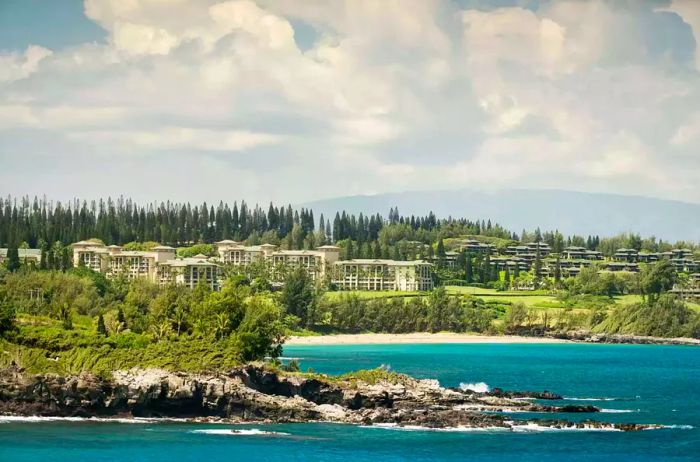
(506, 278)
(468, 270)
(12, 262)
(349, 251)
(557, 272)
(101, 328)
(441, 253)
(537, 266)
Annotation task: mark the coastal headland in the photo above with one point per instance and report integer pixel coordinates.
(254, 393)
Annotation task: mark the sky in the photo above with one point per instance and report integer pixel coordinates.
(293, 101)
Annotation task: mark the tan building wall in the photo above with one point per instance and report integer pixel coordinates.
(366, 274)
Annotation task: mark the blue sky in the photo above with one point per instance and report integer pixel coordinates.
(295, 101)
(54, 24)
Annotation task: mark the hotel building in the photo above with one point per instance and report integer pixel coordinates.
(368, 274)
(317, 262)
(159, 265)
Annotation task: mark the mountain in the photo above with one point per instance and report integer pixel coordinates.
(516, 209)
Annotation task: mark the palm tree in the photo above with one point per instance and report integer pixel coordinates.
(221, 324)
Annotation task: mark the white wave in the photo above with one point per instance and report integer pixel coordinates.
(675, 427)
(478, 387)
(288, 358)
(534, 427)
(393, 426)
(238, 432)
(124, 420)
(37, 419)
(618, 411)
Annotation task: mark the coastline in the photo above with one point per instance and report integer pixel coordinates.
(457, 338)
(415, 338)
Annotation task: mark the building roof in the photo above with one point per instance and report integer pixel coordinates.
(226, 242)
(90, 242)
(329, 247)
(370, 261)
(163, 247)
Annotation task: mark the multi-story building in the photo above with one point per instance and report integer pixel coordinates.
(137, 264)
(159, 265)
(474, 246)
(682, 253)
(91, 254)
(568, 267)
(626, 255)
(368, 274)
(315, 261)
(450, 259)
(511, 263)
(235, 253)
(615, 266)
(190, 272)
(580, 253)
(648, 257)
(30, 256)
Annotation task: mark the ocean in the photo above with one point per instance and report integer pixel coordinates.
(635, 383)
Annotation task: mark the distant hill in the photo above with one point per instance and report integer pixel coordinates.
(517, 209)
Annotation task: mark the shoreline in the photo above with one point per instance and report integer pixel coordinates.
(426, 338)
(416, 338)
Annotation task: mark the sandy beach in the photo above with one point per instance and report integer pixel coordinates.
(418, 337)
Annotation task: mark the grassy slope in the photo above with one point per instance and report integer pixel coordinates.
(43, 345)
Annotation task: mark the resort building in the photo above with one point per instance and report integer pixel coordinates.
(368, 274)
(26, 256)
(580, 253)
(190, 272)
(235, 253)
(474, 246)
(450, 260)
(511, 263)
(626, 255)
(616, 266)
(315, 261)
(159, 265)
(90, 254)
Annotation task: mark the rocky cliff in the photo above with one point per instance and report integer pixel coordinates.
(256, 394)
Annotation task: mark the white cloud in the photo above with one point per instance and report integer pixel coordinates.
(15, 66)
(383, 96)
(180, 138)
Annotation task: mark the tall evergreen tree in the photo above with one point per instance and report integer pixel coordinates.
(468, 270)
(13, 263)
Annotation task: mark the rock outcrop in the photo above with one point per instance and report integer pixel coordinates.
(256, 394)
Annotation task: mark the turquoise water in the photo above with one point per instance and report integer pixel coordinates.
(658, 384)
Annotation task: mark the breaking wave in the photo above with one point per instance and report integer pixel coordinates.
(238, 432)
(127, 420)
(533, 427)
(478, 387)
(618, 411)
(413, 428)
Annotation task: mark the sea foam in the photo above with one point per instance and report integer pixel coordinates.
(478, 387)
(238, 432)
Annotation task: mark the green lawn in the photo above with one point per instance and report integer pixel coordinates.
(532, 299)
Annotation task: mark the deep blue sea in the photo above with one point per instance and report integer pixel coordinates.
(635, 383)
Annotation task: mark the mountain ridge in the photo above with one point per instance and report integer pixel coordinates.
(571, 212)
